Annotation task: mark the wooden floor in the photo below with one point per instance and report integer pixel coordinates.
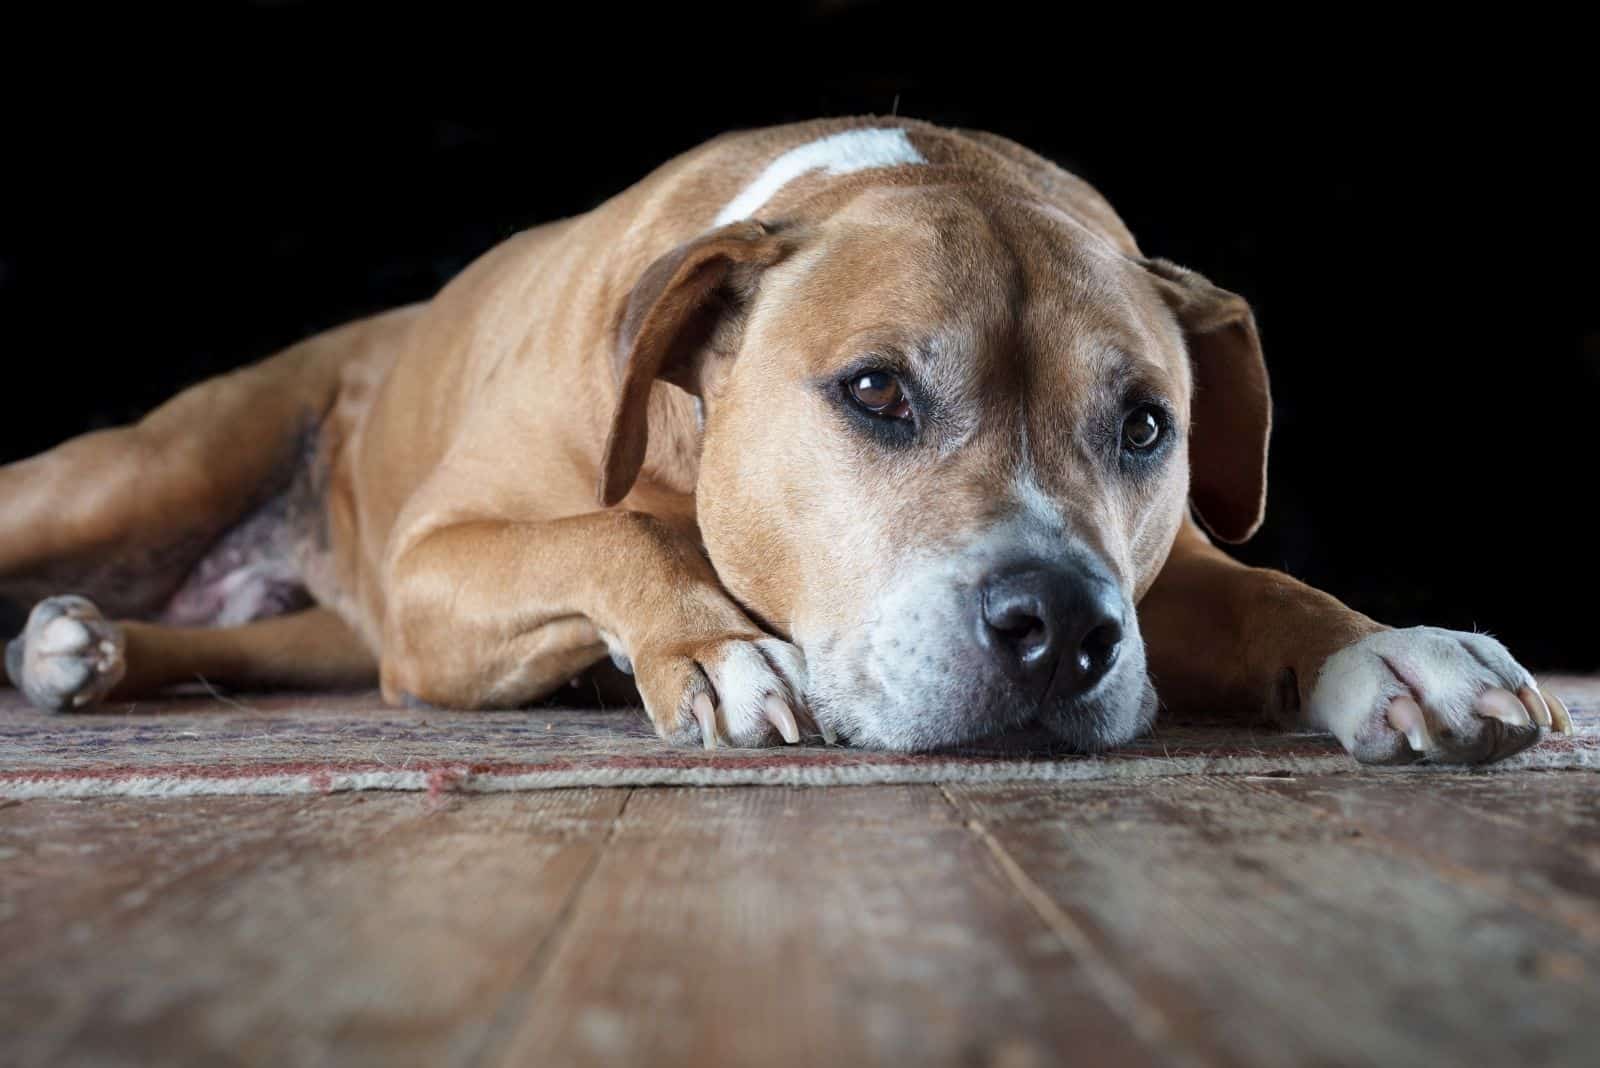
(1422, 919)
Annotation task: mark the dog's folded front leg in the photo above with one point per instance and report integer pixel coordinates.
(495, 614)
(1223, 635)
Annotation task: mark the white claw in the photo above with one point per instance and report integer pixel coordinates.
(812, 725)
(706, 713)
(1535, 705)
(782, 717)
(1560, 718)
(1405, 716)
(1499, 704)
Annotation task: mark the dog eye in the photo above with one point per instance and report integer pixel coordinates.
(880, 393)
(1141, 429)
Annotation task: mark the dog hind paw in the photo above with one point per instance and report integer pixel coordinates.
(68, 655)
(1426, 694)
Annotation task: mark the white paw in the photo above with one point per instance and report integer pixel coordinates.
(731, 690)
(1424, 693)
(68, 656)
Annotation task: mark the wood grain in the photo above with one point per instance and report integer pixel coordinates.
(1270, 926)
(1407, 919)
(1532, 842)
(352, 930)
(808, 927)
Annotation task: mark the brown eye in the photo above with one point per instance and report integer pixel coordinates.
(879, 392)
(1141, 429)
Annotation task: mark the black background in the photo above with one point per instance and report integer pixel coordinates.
(1405, 207)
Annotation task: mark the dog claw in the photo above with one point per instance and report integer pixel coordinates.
(1499, 704)
(730, 692)
(1422, 693)
(810, 726)
(1560, 718)
(1535, 705)
(706, 713)
(806, 722)
(782, 717)
(1405, 716)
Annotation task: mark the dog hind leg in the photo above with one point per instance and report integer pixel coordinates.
(122, 515)
(71, 657)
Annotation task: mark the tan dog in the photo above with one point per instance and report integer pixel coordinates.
(861, 426)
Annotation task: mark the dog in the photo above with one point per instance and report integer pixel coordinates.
(860, 428)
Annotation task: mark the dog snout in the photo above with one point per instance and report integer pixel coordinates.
(1051, 625)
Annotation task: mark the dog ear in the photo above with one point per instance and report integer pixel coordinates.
(1232, 408)
(666, 327)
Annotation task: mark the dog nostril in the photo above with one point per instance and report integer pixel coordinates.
(1026, 637)
(1099, 650)
(1016, 624)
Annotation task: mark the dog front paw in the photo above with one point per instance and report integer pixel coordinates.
(68, 656)
(739, 691)
(1442, 696)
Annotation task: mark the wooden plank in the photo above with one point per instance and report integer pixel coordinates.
(1531, 841)
(359, 929)
(76, 871)
(808, 927)
(1268, 931)
(1330, 920)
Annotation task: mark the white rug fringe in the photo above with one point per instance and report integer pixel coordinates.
(462, 779)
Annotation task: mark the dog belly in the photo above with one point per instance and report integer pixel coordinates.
(259, 567)
(251, 573)
(211, 574)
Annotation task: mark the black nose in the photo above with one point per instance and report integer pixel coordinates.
(1044, 621)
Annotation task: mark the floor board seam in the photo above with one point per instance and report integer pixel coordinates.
(528, 979)
(1148, 1022)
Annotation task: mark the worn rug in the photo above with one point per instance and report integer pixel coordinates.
(298, 744)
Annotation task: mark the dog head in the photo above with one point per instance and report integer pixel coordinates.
(950, 435)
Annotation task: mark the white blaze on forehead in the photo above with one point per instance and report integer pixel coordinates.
(842, 153)
(1036, 503)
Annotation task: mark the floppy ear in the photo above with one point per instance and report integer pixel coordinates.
(669, 319)
(1232, 408)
